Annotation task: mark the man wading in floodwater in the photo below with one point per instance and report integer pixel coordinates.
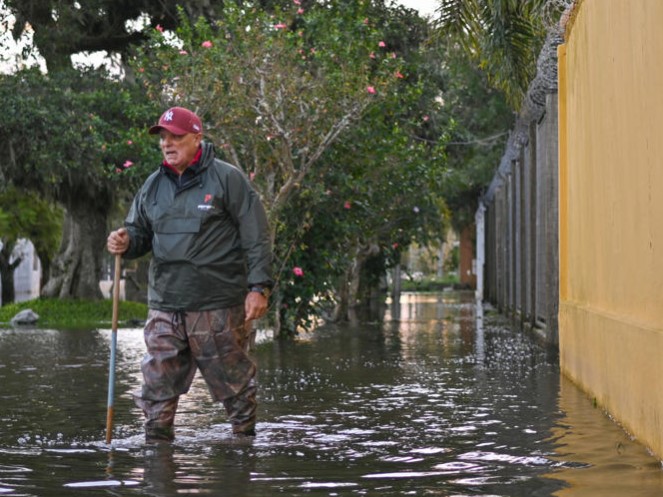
(210, 275)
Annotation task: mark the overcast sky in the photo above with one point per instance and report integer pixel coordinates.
(425, 7)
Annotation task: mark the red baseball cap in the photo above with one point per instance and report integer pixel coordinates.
(179, 121)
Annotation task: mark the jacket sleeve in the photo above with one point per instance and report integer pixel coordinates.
(248, 213)
(139, 228)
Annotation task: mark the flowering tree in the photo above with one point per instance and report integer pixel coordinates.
(355, 222)
(275, 90)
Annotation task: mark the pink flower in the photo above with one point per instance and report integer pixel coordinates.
(300, 11)
(426, 118)
(297, 2)
(159, 28)
(372, 55)
(252, 175)
(280, 25)
(127, 163)
(393, 55)
(297, 271)
(347, 204)
(382, 44)
(206, 44)
(399, 75)
(394, 245)
(184, 52)
(366, 20)
(370, 90)
(118, 170)
(129, 142)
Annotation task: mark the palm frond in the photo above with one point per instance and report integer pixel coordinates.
(458, 20)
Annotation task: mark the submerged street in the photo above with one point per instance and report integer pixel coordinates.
(447, 400)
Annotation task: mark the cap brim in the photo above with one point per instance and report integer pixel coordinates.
(173, 129)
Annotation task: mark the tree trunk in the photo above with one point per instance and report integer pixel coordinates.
(7, 274)
(45, 261)
(342, 299)
(76, 270)
(360, 295)
(348, 292)
(354, 279)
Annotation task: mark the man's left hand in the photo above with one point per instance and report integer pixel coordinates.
(255, 305)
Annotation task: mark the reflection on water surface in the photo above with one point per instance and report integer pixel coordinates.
(444, 401)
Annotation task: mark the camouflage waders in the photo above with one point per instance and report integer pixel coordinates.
(178, 343)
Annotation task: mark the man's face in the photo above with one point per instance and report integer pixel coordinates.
(179, 150)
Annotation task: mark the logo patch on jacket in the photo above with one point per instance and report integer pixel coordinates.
(206, 205)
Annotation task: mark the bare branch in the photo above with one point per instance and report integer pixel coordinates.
(337, 128)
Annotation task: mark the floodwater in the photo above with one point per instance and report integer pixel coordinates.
(445, 401)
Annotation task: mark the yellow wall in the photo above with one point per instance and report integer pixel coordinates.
(611, 210)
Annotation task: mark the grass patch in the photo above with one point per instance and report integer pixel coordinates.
(430, 284)
(76, 314)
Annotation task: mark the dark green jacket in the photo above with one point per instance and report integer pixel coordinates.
(208, 234)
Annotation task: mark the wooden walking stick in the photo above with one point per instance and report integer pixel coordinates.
(111, 366)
